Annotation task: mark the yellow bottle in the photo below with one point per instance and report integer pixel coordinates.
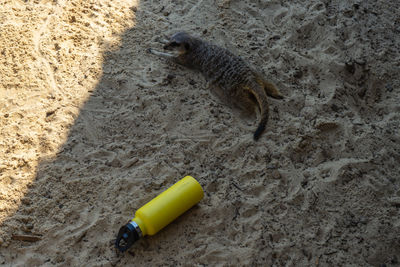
(160, 211)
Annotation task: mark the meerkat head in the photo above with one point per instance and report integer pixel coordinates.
(180, 42)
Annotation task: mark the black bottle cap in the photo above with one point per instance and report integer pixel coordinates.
(127, 235)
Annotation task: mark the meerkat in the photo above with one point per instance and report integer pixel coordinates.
(221, 68)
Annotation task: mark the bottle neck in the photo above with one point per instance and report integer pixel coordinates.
(140, 226)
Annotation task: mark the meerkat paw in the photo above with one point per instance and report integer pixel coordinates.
(272, 91)
(277, 96)
(160, 54)
(162, 40)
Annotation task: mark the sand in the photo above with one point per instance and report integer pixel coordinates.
(93, 127)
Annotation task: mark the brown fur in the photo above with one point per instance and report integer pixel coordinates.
(225, 70)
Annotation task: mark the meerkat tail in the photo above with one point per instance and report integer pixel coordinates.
(263, 121)
(261, 97)
(261, 126)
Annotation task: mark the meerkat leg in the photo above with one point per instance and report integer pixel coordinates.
(219, 93)
(271, 90)
(160, 54)
(246, 102)
(163, 41)
(212, 83)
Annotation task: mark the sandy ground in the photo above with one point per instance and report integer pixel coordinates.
(93, 127)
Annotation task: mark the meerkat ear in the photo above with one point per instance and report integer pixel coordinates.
(187, 46)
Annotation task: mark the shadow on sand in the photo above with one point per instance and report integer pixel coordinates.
(114, 161)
